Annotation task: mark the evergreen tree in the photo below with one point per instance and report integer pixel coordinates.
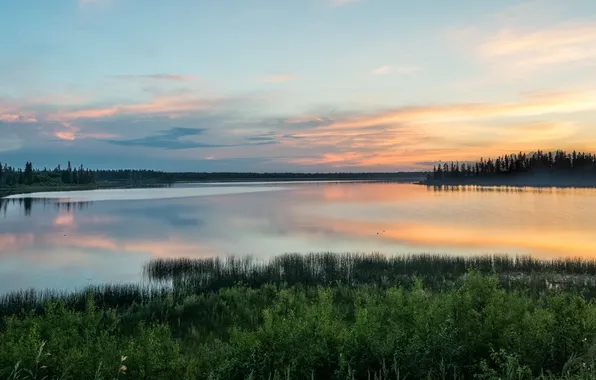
(28, 174)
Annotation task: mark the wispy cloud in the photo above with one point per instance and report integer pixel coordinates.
(158, 77)
(396, 69)
(71, 132)
(167, 104)
(530, 49)
(281, 77)
(171, 139)
(382, 70)
(444, 132)
(177, 139)
(532, 104)
(17, 118)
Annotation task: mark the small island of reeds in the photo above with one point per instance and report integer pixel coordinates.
(314, 316)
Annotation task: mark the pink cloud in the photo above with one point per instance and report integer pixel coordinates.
(72, 132)
(161, 105)
(17, 118)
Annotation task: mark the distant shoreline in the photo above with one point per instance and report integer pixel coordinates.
(396, 177)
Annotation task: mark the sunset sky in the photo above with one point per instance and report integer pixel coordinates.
(297, 85)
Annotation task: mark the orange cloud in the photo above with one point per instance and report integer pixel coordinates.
(72, 132)
(407, 135)
(534, 104)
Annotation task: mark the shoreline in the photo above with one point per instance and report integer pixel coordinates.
(53, 189)
(46, 189)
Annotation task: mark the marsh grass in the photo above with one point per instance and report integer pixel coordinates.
(317, 316)
(183, 277)
(317, 268)
(438, 272)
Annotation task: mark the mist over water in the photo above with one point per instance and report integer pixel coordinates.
(76, 238)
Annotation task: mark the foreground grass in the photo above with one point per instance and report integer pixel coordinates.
(469, 327)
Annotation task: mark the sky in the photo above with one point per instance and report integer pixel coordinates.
(293, 85)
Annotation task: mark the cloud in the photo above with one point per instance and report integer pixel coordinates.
(71, 132)
(463, 131)
(166, 104)
(17, 118)
(560, 44)
(532, 104)
(170, 139)
(401, 70)
(382, 70)
(281, 78)
(158, 77)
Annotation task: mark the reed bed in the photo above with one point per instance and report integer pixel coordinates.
(438, 272)
(314, 316)
(183, 277)
(354, 267)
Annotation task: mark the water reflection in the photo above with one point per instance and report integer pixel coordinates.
(53, 243)
(26, 204)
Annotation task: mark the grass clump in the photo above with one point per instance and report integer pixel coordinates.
(473, 327)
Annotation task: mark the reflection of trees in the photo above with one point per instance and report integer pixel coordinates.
(498, 189)
(27, 204)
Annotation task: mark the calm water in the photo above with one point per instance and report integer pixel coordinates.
(77, 238)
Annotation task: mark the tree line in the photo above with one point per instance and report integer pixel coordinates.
(552, 163)
(72, 175)
(12, 177)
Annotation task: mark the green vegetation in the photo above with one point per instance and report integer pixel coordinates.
(18, 181)
(314, 317)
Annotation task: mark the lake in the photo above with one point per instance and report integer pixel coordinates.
(69, 240)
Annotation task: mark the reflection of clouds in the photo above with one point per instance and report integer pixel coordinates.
(170, 246)
(10, 242)
(369, 193)
(172, 214)
(541, 241)
(64, 220)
